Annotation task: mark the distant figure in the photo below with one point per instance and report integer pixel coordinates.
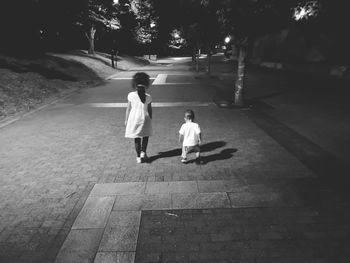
(190, 136)
(138, 117)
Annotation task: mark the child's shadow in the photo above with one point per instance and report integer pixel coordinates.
(224, 154)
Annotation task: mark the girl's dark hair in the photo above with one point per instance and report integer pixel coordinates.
(140, 82)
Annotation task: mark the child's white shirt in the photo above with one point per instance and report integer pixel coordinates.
(190, 131)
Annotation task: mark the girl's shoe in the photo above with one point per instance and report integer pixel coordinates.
(184, 160)
(143, 155)
(138, 159)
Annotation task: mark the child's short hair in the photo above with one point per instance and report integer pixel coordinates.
(189, 114)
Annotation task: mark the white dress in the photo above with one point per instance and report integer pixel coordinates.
(139, 122)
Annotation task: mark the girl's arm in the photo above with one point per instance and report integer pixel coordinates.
(128, 108)
(149, 108)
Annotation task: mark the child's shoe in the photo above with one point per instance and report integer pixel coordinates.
(199, 160)
(138, 159)
(184, 160)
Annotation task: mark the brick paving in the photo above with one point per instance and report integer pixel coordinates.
(295, 220)
(258, 234)
(51, 161)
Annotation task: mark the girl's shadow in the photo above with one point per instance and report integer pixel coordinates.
(208, 147)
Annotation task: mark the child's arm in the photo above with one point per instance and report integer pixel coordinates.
(128, 109)
(181, 134)
(181, 137)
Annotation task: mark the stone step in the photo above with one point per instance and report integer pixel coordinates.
(107, 227)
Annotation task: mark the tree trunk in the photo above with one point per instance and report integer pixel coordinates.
(91, 47)
(239, 85)
(91, 38)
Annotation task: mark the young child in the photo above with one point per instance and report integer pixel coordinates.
(190, 135)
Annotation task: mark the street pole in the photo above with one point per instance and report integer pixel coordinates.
(112, 47)
(112, 57)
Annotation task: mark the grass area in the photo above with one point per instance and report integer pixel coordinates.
(26, 84)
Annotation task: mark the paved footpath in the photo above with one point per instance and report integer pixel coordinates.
(72, 192)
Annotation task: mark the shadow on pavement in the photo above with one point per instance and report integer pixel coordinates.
(167, 154)
(208, 147)
(177, 152)
(223, 155)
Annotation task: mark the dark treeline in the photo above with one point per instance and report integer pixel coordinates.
(29, 26)
(36, 26)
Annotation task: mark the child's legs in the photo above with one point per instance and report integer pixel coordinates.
(138, 146)
(184, 152)
(189, 149)
(144, 144)
(197, 150)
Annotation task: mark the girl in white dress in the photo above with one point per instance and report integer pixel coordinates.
(138, 117)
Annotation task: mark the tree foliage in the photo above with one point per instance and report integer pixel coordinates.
(147, 21)
(98, 13)
(177, 40)
(247, 19)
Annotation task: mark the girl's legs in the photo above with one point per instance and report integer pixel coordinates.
(138, 146)
(144, 144)
(141, 147)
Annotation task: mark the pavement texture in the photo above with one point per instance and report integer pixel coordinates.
(274, 234)
(72, 192)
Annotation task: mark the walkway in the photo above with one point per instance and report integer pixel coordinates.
(72, 192)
